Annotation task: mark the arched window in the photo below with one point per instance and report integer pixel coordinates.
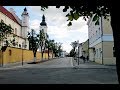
(16, 31)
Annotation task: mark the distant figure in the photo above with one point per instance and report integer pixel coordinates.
(87, 58)
(83, 59)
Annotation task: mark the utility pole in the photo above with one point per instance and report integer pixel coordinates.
(78, 54)
(22, 54)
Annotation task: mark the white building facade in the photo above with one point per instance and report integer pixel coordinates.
(101, 41)
(20, 27)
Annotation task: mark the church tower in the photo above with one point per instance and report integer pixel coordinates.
(43, 25)
(25, 28)
(25, 23)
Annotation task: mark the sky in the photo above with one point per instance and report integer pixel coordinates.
(56, 23)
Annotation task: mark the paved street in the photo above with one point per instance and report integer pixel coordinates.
(59, 71)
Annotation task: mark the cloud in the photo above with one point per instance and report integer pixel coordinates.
(57, 26)
(67, 47)
(34, 24)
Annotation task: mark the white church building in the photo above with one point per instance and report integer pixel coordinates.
(20, 26)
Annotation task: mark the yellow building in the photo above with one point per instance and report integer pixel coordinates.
(101, 42)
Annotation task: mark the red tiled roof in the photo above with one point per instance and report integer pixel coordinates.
(8, 14)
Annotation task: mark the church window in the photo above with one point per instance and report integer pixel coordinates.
(16, 31)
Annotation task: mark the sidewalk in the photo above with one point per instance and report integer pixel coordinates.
(19, 64)
(91, 65)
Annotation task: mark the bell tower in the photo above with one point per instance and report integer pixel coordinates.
(43, 25)
(25, 23)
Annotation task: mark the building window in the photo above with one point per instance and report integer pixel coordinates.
(96, 52)
(42, 30)
(16, 31)
(20, 45)
(100, 52)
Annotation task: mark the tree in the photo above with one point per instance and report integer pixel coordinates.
(72, 53)
(52, 47)
(33, 39)
(87, 8)
(47, 45)
(42, 41)
(5, 30)
(74, 45)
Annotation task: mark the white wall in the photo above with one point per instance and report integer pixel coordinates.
(14, 25)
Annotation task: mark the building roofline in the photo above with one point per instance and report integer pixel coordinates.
(8, 14)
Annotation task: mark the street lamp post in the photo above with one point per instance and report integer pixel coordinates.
(78, 54)
(22, 52)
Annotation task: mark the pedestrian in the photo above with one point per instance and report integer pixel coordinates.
(83, 59)
(87, 58)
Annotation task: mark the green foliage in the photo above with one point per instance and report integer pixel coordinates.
(76, 16)
(4, 30)
(43, 8)
(96, 19)
(87, 10)
(72, 53)
(70, 23)
(33, 41)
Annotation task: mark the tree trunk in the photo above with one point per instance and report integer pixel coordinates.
(34, 59)
(42, 52)
(116, 34)
(42, 55)
(48, 53)
(34, 56)
(52, 54)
